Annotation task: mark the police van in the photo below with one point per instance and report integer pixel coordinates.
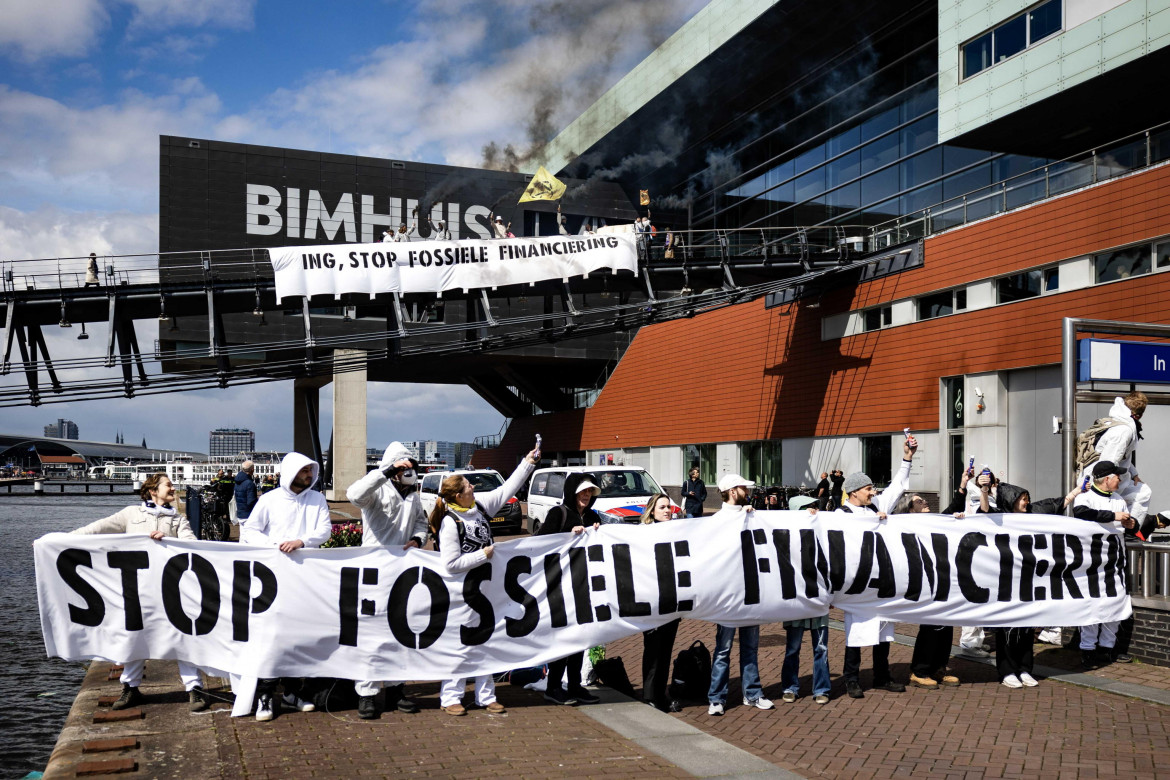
(510, 518)
(625, 491)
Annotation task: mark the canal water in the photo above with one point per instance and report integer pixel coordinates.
(35, 692)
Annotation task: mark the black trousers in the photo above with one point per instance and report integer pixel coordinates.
(570, 663)
(1124, 635)
(1013, 651)
(881, 663)
(932, 650)
(657, 653)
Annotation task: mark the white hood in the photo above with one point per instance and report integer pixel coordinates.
(395, 452)
(1120, 412)
(291, 465)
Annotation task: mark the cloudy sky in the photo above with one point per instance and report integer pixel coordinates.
(87, 86)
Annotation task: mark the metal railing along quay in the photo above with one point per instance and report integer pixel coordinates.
(1149, 569)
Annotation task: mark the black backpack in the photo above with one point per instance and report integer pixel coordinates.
(611, 672)
(692, 673)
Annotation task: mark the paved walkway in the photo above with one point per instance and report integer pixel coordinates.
(1111, 723)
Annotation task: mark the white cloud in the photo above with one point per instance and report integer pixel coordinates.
(31, 31)
(53, 232)
(166, 14)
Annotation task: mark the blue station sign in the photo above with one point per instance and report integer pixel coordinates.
(1122, 361)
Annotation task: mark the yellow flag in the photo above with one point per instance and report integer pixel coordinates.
(643, 197)
(544, 186)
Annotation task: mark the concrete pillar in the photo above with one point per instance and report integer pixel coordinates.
(306, 406)
(349, 424)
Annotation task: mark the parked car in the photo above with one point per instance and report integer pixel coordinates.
(625, 491)
(510, 518)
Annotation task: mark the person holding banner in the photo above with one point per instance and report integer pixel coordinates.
(291, 517)
(461, 523)
(392, 516)
(736, 493)
(1102, 504)
(658, 643)
(863, 499)
(572, 515)
(440, 232)
(156, 517)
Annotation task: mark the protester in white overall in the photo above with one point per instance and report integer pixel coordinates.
(1117, 445)
(862, 499)
(392, 516)
(461, 522)
(156, 517)
(1101, 504)
(289, 518)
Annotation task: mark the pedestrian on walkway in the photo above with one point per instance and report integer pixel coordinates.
(156, 517)
(573, 515)
(863, 500)
(292, 517)
(837, 479)
(461, 523)
(694, 493)
(244, 486)
(91, 271)
(735, 514)
(658, 643)
(824, 488)
(392, 516)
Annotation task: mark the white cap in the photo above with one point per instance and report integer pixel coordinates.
(499, 219)
(585, 484)
(728, 481)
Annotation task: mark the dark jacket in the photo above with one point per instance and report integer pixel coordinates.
(564, 517)
(245, 490)
(1007, 495)
(694, 506)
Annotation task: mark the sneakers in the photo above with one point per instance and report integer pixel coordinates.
(266, 707)
(407, 705)
(455, 709)
(367, 708)
(760, 703)
(1011, 681)
(198, 699)
(821, 698)
(1028, 680)
(294, 702)
(789, 696)
(974, 652)
(891, 686)
(583, 696)
(715, 708)
(1122, 658)
(558, 696)
(853, 688)
(130, 696)
(923, 682)
(1089, 660)
(495, 708)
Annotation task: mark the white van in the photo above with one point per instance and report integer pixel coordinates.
(510, 518)
(625, 491)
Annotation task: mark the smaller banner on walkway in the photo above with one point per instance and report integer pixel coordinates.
(437, 266)
(388, 614)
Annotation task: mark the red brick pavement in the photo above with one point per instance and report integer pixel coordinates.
(979, 730)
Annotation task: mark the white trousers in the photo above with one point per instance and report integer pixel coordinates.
(371, 687)
(971, 637)
(1137, 498)
(1106, 637)
(451, 691)
(132, 674)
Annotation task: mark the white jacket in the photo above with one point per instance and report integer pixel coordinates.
(136, 520)
(886, 500)
(388, 519)
(732, 513)
(282, 515)
(1118, 442)
(454, 559)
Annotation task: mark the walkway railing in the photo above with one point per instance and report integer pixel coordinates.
(1149, 569)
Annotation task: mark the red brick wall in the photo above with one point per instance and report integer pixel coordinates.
(747, 372)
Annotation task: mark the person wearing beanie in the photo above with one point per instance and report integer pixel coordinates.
(861, 498)
(1101, 504)
(735, 512)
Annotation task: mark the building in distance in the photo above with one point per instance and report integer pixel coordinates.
(62, 429)
(231, 441)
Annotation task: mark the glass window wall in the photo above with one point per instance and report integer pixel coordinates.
(760, 462)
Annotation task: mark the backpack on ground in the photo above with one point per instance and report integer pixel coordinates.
(611, 673)
(692, 673)
(1087, 441)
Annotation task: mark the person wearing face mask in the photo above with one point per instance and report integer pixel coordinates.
(736, 493)
(156, 517)
(658, 643)
(392, 516)
(461, 522)
(291, 517)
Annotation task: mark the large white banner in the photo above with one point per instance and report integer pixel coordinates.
(374, 613)
(435, 266)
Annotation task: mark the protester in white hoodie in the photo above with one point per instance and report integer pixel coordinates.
(1117, 445)
(392, 516)
(290, 517)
